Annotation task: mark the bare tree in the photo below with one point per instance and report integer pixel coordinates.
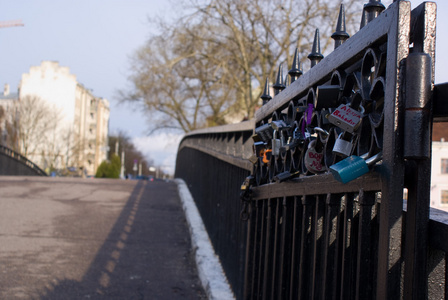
(210, 65)
(124, 143)
(36, 119)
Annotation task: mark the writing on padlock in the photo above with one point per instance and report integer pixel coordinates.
(346, 118)
(313, 160)
(353, 167)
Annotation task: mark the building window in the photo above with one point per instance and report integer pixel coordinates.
(444, 164)
(444, 197)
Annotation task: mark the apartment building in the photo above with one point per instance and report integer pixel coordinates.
(83, 119)
(439, 166)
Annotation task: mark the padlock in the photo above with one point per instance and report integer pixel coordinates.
(301, 109)
(313, 159)
(264, 132)
(324, 113)
(343, 145)
(285, 176)
(296, 140)
(353, 167)
(253, 159)
(315, 153)
(276, 144)
(327, 96)
(256, 138)
(259, 148)
(346, 118)
(279, 125)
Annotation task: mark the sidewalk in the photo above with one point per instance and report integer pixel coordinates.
(64, 238)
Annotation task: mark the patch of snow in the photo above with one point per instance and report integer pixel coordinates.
(209, 267)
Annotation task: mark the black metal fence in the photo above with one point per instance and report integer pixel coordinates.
(13, 163)
(315, 230)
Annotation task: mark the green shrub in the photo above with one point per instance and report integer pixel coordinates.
(109, 169)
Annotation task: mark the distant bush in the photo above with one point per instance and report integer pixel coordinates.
(109, 169)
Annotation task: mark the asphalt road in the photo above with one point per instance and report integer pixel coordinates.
(69, 238)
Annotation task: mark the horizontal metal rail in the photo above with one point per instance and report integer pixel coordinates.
(230, 143)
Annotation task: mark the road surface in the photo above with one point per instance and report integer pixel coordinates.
(72, 238)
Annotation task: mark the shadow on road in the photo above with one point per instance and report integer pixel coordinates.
(146, 255)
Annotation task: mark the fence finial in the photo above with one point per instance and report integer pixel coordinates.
(363, 19)
(372, 9)
(340, 35)
(279, 84)
(295, 71)
(266, 97)
(315, 56)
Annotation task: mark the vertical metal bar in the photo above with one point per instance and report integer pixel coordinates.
(318, 247)
(296, 250)
(364, 268)
(257, 246)
(423, 21)
(389, 255)
(339, 251)
(276, 265)
(329, 253)
(267, 272)
(306, 253)
(286, 248)
(346, 247)
(250, 251)
(262, 249)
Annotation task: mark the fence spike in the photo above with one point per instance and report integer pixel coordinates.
(266, 97)
(295, 71)
(363, 19)
(340, 35)
(315, 56)
(372, 9)
(279, 84)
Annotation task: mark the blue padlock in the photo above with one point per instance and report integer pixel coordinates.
(353, 167)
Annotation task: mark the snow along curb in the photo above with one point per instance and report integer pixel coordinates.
(209, 267)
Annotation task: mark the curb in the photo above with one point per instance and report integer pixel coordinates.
(209, 267)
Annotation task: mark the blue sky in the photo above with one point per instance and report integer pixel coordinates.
(95, 39)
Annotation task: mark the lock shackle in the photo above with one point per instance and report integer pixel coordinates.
(374, 159)
(322, 131)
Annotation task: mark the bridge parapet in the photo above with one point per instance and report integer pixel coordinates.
(311, 233)
(13, 163)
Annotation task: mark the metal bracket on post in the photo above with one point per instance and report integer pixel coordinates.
(417, 123)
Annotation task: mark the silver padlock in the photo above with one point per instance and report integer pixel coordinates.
(346, 118)
(279, 125)
(276, 144)
(342, 146)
